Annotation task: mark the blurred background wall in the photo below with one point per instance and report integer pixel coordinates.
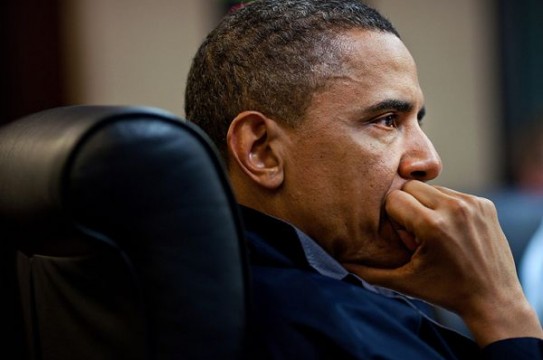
(133, 52)
(477, 61)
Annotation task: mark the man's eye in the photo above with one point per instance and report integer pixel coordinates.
(388, 121)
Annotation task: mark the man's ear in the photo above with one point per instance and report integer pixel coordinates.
(254, 144)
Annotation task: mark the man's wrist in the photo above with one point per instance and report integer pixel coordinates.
(493, 322)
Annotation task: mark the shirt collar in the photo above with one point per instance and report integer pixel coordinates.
(326, 265)
(283, 235)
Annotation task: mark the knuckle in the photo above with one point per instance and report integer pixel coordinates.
(436, 222)
(461, 207)
(487, 206)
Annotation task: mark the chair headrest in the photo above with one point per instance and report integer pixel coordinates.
(108, 168)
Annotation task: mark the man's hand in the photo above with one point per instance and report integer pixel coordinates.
(462, 261)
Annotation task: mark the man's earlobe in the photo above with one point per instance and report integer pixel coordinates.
(254, 145)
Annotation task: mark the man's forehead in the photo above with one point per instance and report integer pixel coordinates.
(376, 74)
(381, 45)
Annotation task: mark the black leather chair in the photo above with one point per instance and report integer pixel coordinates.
(128, 240)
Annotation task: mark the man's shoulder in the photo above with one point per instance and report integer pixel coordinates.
(271, 241)
(307, 313)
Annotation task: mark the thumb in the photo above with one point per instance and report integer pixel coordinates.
(389, 278)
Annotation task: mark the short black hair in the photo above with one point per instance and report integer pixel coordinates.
(270, 56)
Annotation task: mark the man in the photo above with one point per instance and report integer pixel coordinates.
(528, 171)
(316, 107)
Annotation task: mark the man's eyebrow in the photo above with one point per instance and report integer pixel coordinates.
(396, 105)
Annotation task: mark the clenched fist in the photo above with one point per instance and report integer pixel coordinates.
(461, 261)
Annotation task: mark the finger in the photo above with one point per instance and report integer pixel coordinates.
(408, 239)
(484, 206)
(426, 194)
(406, 210)
(402, 279)
(390, 278)
(451, 192)
(460, 195)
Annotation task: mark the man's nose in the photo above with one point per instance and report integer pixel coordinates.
(420, 160)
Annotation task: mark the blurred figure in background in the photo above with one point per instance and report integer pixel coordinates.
(529, 172)
(520, 205)
(531, 271)
(528, 159)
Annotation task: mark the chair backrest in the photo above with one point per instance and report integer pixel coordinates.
(129, 244)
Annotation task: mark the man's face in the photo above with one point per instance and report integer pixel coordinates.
(360, 139)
